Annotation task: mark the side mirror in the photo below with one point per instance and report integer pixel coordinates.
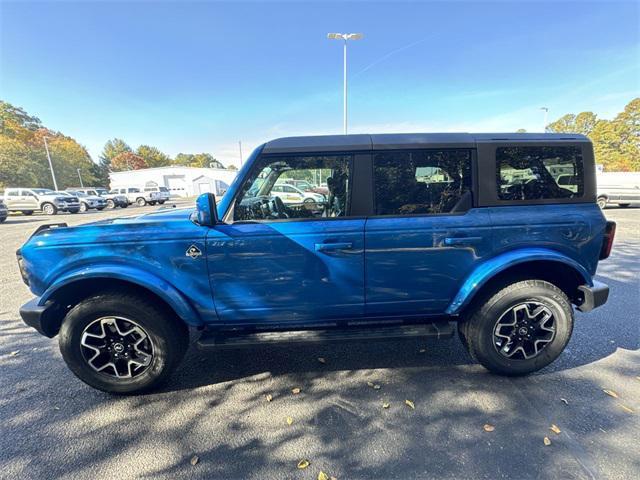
(206, 210)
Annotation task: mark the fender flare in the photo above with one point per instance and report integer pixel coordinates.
(142, 278)
(492, 267)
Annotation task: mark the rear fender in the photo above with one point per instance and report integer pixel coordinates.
(492, 267)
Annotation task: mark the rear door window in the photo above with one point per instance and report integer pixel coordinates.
(536, 173)
(422, 182)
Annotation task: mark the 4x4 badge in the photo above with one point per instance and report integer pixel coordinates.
(193, 252)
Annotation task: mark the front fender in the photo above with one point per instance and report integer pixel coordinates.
(489, 269)
(142, 278)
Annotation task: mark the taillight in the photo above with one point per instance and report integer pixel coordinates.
(607, 241)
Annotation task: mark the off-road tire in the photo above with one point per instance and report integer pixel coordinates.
(169, 337)
(477, 331)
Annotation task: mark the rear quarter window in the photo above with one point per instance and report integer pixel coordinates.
(539, 173)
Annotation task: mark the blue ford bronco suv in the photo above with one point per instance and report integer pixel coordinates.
(419, 235)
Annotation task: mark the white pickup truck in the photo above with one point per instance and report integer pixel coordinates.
(137, 196)
(29, 200)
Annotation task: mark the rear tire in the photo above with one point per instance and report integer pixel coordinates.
(602, 202)
(533, 342)
(161, 202)
(49, 209)
(141, 202)
(83, 207)
(111, 204)
(164, 342)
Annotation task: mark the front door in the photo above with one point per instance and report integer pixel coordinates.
(424, 237)
(280, 262)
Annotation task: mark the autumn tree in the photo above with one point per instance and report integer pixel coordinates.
(153, 157)
(127, 161)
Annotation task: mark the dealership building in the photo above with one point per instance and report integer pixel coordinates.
(181, 181)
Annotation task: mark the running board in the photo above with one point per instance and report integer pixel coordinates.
(219, 340)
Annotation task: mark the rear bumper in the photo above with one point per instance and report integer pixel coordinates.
(593, 297)
(40, 317)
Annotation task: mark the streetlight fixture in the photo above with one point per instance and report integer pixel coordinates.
(546, 116)
(344, 37)
(80, 177)
(53, 175)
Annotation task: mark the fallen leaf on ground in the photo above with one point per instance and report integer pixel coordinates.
(322, 360)
(386, 405)
(14, 353)
(422, 350)
(611, 393)
(296, 390)
(289, 420)
(194, 460)
(410, 404)
(546, 441)
(269, 397)
(625, 408)
(303, 464)
(322, 476)
(488, 428)
(554, 428)
(564, 400)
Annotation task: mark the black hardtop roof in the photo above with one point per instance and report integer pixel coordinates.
(383, 141)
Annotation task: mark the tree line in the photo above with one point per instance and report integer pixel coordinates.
(23, 157)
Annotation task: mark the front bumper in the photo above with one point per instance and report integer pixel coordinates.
(44, 318)
(593, 297)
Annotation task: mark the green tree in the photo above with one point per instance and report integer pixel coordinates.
(201, 160)
(153, 157)
(15, 163)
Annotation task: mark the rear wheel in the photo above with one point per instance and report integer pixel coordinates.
(49, 209)
(520, 328)
(141, 202)
(110, 204)
(161, 202)
(122, 343)
(602, 202)
(83, 207)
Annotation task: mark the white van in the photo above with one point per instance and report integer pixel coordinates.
(622, 188)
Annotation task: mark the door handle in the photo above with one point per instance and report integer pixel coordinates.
(323, 247)
(452, 241)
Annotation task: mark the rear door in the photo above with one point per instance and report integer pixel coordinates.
(425, 237)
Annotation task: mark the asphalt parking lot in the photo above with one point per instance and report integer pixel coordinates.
(215, 407)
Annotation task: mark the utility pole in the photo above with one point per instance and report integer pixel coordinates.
(53, 175)
(80, 177)
(240, 147)
(344, 37)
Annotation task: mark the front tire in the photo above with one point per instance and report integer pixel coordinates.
(111, 204)
(122, 343)
(520, 329)
(141, 202)
(83, 207)
(49, 209)
(602, 202)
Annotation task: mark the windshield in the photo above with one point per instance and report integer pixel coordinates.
(164, 189)
(101, 191)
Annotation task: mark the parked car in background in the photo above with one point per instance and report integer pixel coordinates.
(137, 196)
(307, 187)
(621, 188)
(87, 202)
(163, 194)
(290, 194)
(420, 238)
(112, 200)
(29, 200)
(4, 213)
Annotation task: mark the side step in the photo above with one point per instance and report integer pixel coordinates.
(219, 340)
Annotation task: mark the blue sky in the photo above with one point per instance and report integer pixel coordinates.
(199, 76)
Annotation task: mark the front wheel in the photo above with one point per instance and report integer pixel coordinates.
(49, 209)
(141, 202)
(602, 202)
(122, 343)
(111, 204)
(520, 328)
(83, 207)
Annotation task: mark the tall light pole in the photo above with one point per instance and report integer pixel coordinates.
(53, 175)
(546, 118)
(80, 177)
(240, 147)
(344, 37)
